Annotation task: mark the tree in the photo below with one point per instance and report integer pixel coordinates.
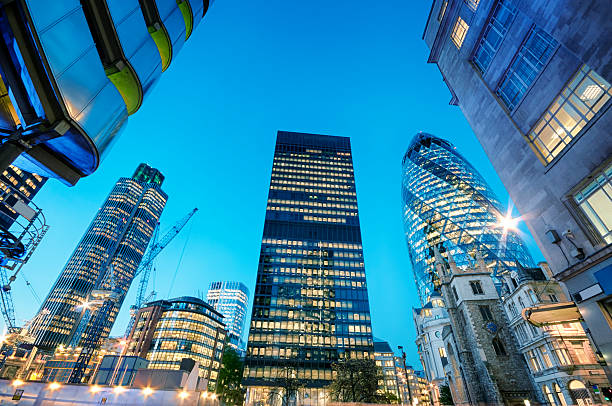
(356, 381)
(445, 396)
(287, 386)
(229, 379)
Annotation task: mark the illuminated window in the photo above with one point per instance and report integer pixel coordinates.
(527, 64)
(442, 10)
(493, 34)
(584, 95)
(459, 32)
(472, 4)
(595, 200)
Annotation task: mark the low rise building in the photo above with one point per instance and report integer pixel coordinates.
(167, 331)
(384, 357)
(560, 358)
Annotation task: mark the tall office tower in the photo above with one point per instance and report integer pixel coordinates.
(72, 74)
(231, 299)
(310, 307)
(114, 242)
(538, 97)
(448, 205)
(16, 187)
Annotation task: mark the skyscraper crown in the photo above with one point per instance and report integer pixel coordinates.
(145, 173)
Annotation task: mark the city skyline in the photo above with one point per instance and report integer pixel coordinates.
(209, 245)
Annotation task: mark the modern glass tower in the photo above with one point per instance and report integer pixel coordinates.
(310, 307)
(71, 72)
(116, 239)
(448, 205)
(231, 299)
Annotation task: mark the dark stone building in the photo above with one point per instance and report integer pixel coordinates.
(533, 80)
(486, 367)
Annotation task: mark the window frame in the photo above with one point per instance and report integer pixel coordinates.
(454, 30)
(476, 283)
(521, 51)
(486, 30)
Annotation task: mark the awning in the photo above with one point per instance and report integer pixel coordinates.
(554, 313)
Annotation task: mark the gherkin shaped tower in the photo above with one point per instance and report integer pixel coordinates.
(448, 205)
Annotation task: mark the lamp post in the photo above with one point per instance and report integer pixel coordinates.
(406, 372)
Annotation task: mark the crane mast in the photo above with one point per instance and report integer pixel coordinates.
(99, 316)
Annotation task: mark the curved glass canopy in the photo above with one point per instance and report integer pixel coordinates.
(72, 71)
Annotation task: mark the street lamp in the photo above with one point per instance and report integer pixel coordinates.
(406, 372)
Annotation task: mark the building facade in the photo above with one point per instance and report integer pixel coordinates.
(231, 299)
(310, 306)
(16, 186)
(560, 358)
(448, 205)
(167, 331)
(537, 95)
(429, 322)
(487, 368)
(113, 245)
(385, 360)
(73, 74)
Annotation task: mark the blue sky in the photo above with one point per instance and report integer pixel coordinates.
(351, 68)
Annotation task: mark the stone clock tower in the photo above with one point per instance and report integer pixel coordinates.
(493, 370)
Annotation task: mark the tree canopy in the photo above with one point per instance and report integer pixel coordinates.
(229, 379)
(356, 381)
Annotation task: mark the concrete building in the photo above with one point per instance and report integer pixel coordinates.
(487, 368)
(385, 360)
(231, 299)
(166, 332)
(560, 358)
(429, 322)
(533, 80)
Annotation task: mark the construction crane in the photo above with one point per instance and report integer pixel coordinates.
(147, 264)
(17, 245)
(105, 299)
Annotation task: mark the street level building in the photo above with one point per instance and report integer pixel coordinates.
(113, 245)
(486, 366)
(310, 306)
(429, 322)
(166, 332)
(533, 80)
(560, 357)
(231, 299)
(70, 75)
(447, 205)
(385, 360)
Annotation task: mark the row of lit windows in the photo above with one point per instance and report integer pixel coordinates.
(308, 339)
(325, 262)
(313, 204)
(312, 253)
(319, 191)
(321, 244)
(333, 174)
(310, 211)
(325, 185)
(325, 219)
(307, 326)
(305, 177)
(271, 372)
(332, 163)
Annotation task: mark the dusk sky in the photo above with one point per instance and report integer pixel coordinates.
(350, 68)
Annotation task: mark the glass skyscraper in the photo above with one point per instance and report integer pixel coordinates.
(116, 239)
(448, 205)
(231, 299)
(310, 306)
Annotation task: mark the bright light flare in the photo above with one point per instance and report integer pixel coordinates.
(508, 223)
(183, 395)
(147, 391)
(54, 385)
(213, 396)
(95, 389)
(204, 395)
(17, 383)
(119, 389)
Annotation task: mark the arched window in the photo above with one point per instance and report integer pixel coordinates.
(559, 394)
(549, 395)
(498, 346)
(580, 394)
